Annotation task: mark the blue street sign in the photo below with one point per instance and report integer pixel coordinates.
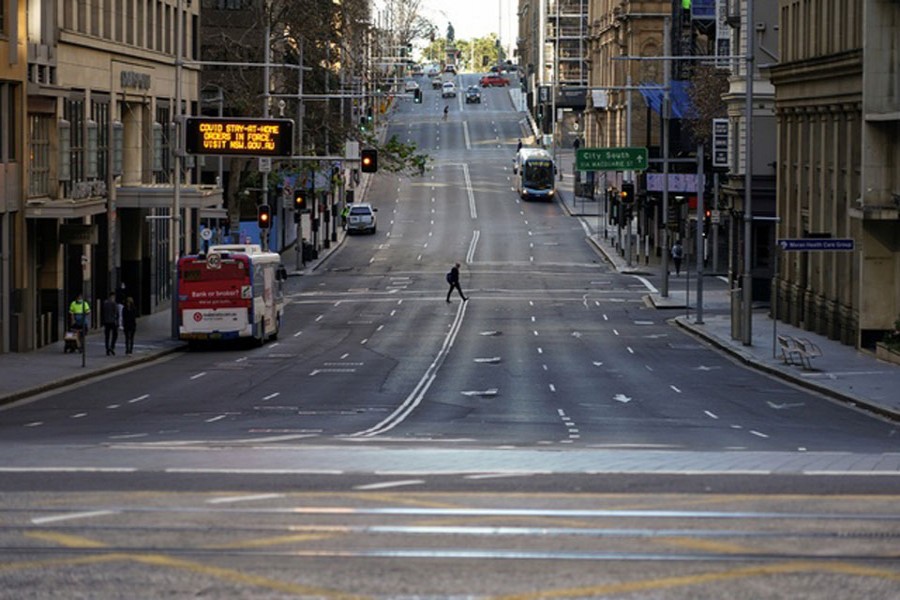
(814, 244)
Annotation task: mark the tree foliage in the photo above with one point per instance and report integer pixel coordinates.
(708, 86)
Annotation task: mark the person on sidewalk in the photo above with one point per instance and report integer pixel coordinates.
(79, 315)
(129, 323)
(519, 145)
(121, 294)
(677, 255)
(453, 280)
(109, 315)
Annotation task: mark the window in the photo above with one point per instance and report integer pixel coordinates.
(163, 117)
(39, 165)
(100, 115)
(74, 114)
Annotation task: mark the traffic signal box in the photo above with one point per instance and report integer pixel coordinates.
(417, 95)
(263, 216)
(368, 158)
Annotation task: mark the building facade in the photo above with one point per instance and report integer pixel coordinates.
(102, 126)
(837, 98)
(13, 243)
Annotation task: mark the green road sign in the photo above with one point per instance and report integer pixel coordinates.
(611, 159)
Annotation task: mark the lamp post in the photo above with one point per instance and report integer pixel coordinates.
(747, 279)
(175, 221)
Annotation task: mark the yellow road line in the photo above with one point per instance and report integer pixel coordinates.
(705, 578)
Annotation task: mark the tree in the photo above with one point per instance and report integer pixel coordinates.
(708, 86)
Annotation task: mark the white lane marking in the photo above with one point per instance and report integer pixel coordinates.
(319, 318)
(139, 398)
(470, 255)
(345, 355)
(675, 389)
(111, 406)
(497, 475)
(647, 284)
(198, 375)
(605, 318)
(533, 319)
(81, 515)
(231, 499)
(622, 398)
(418, 393)
(389, 484)
(472, 212)
(78, 415)
(379, 328)
(552, 388)
(466, 135)
(241, 359)
(535, 333)
(758, 433)
(34, 424)
(540, 350)
(270, 396)
(711, 415)
(630, 349)
(298, 334)
(214, 419)
(393, 312)
(364, 341)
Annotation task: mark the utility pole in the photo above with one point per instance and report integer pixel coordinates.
(747, 278)
(175, 222)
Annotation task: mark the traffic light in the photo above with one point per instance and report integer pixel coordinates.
(369, 160)
(707, 221)
(263, 216)
(299, 200)
(417, 96)
(627, 193)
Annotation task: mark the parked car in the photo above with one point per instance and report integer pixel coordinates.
(473, 94)
(494, 80)
(448, 90)
(361, 218)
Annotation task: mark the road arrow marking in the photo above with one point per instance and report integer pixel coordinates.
(491, 392)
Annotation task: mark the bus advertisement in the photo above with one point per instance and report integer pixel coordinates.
(234, 291)
(535, 174)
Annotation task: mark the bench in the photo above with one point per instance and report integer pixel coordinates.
(798, 351)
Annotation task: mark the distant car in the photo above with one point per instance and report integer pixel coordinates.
(494, 80)
(473, 94)
(361, 218)
(411, 86)
(450, 69)
(448, 90)
(436, 82)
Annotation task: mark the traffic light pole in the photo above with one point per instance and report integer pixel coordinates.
(701, 217)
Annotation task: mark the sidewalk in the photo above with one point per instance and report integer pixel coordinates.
(842, 372)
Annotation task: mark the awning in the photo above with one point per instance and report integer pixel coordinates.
(45, 208)
(162, 195)
(682, 107)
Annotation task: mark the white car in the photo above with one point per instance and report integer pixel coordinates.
(361, 217)
(448, 90)
(411, 86)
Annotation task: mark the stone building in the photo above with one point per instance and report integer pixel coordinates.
(101, 134)
(14, 278)
(837, 98)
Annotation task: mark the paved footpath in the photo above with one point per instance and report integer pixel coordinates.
(842, 372)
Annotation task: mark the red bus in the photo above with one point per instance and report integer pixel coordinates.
(233, 291)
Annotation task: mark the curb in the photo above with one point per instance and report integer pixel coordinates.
(752, 362)
(88, 374)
